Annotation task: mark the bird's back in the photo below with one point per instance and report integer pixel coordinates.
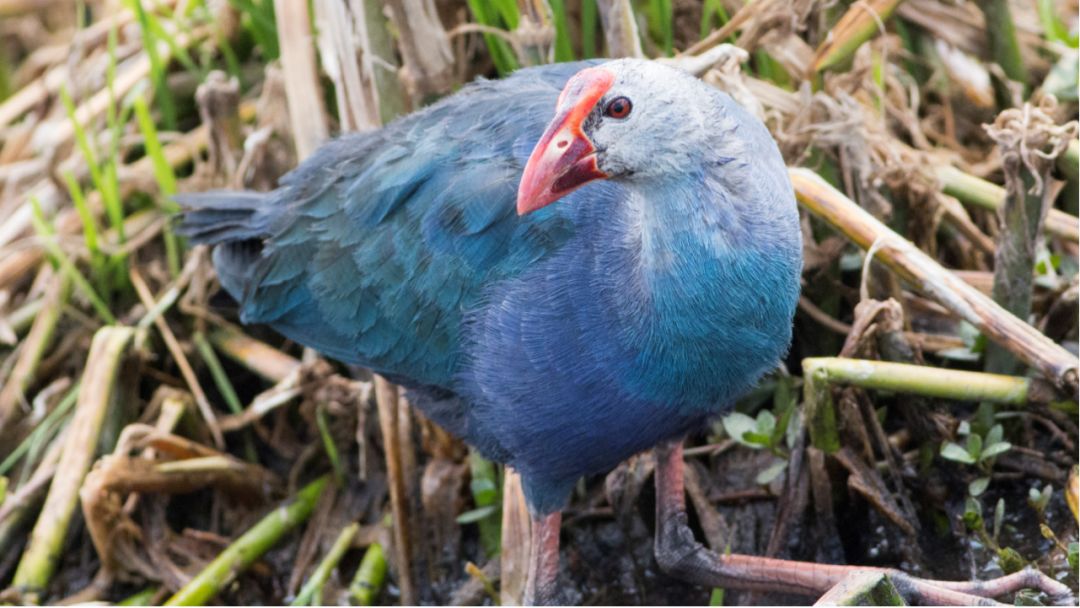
(371, 250)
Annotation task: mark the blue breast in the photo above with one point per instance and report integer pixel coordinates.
(612, 345)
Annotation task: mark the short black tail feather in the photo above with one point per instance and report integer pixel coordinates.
(236, 223)
(223, 216)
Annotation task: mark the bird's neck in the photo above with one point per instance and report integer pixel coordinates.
(712, 282)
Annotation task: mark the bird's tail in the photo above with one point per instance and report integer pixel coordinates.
(223, 216)
(235, 223)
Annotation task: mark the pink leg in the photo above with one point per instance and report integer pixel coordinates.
(540, 585)
(680, 555)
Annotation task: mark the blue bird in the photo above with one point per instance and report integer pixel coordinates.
(565, 267)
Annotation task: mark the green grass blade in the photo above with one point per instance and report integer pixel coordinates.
(157, 66)
(564, 51)
(588, 28)
(501, 54)
(46, 234)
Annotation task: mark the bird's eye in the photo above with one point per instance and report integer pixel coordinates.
(618, 108)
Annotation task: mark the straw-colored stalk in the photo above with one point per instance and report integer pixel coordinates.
(516, 540)
(620, 29)
(96, 392)
(259, 357)
(424, 45)
(307, 116)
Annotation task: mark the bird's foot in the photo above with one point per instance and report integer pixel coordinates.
(679, 554)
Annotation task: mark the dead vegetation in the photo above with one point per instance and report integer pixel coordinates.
(153, 451)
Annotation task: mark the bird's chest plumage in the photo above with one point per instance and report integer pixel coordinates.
(621, 340)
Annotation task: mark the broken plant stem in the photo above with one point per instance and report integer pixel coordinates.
(311, 592)
(95, 394)
(820, 373)
(33, 349)
(930, 278)
(369, 577)
(863, 589)
(861, 21)
(243, 552)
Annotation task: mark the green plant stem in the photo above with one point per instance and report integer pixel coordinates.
(166, 179)
(48, 239)
(920, 380)
(243, 552)
(820, 373)
(369, 577)
(972, 190)
(96, 392)
(1004, 46)
(225, 387)
(141, 598)
(328, 444)
(311, 592)
(484, 487)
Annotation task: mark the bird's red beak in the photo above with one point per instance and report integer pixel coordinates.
(564, 159)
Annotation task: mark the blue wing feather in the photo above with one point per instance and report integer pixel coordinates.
(375, 247)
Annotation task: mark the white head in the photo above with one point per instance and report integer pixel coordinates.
(627, 119)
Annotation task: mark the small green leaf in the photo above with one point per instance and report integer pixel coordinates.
(995, 449)
(995, 435)
(766, 422)
(1039, 499)
(771, 472)
(737, 424)
(973, 514)
(757, 440)
(475, 515)
(974, 446)
(953, 451)
(794, 427)
(1074, 555)
(978, 486)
